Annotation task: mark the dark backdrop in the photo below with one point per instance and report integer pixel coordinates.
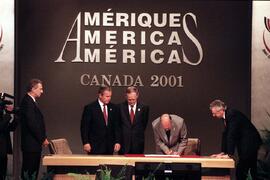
(223, 31)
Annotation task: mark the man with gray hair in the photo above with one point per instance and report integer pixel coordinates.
(134, 117)
(33, 131)
(238, 133)
(170, 134)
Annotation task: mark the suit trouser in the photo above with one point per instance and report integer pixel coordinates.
(3, 167)
(244, 165)
(30, 165)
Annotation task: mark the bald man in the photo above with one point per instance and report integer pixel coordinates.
(170, 134)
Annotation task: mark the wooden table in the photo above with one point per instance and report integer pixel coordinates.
(62, 164)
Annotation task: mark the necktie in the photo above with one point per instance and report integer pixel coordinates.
(105, 114)
(131, 114)
(168, 133)
(224, 121)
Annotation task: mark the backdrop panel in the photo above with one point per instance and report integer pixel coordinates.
(260, 110)
(181, 55)
(7, 46)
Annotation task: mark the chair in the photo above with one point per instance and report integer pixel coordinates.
(59, 146)
(193, 147)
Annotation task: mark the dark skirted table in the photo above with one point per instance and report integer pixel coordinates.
(60, 165)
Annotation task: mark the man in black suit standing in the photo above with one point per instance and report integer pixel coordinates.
(134, 118)
(239, 133)
(33, 132)
(6, 125)
(100, 131)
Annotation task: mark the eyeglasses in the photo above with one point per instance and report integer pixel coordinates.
(216, 111)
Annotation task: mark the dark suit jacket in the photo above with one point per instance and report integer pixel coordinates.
(33, 132)
(239, 132)
(133, 134)
(94, 130)
(5, 128)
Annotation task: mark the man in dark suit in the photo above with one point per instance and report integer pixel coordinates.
(100, 131)
(6, 125)
(239, 133)
(134, 118)
(33, 132)
(170, 133)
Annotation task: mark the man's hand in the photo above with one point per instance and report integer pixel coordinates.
(168, 152)
(225, 156)
(87, 148)
(9, 108)
(220, 156)
(216, 155)
(45, 142)
(117, 147)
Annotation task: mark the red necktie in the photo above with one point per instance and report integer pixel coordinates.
(105, 114)
(131, 114)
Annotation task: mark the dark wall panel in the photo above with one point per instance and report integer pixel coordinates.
(185, 87)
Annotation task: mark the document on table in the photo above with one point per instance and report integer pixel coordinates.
(160, 155)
